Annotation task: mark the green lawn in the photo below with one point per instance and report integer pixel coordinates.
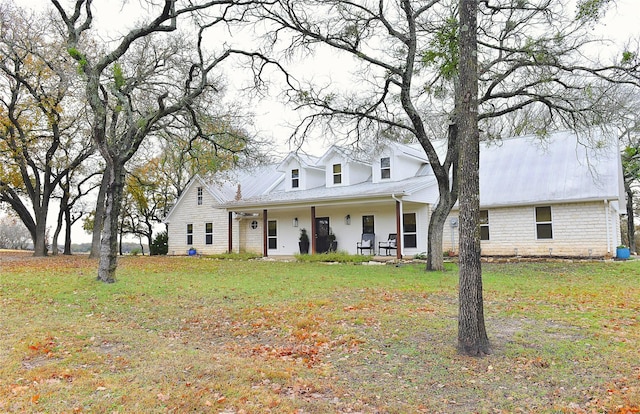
(222, 336)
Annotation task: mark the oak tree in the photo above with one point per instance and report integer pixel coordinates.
(137, 85)
(42, 135)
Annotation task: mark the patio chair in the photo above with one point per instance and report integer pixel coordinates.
(367, 242)
(389, 244)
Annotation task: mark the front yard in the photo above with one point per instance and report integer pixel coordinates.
(201, 335)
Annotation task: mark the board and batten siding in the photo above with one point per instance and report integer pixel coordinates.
(579, 229)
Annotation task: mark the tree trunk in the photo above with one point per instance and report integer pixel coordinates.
(109, 242)
(631, 228)
(40, 241)
(472, 335)
(150, 241)
(435, 257)
(56, 233)
(98, 219)
(67, 231)
(64, 206)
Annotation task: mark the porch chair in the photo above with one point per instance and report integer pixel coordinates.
(367, 242)
(389, 244)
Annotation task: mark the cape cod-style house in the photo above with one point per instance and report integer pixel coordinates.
(537, 197)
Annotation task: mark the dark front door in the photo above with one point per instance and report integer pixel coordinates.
(322, 234)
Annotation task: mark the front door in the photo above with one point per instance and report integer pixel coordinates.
(322, 234)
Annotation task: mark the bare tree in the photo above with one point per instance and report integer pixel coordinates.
(535, 74)
(141, 83)
(388, 40)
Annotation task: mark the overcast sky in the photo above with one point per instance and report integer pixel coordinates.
(620, 24)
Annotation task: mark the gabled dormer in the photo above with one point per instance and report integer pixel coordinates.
(301, 172)
(397, 162)
(342, 169)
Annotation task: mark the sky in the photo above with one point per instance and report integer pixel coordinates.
(272, 118)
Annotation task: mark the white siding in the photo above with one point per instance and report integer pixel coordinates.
(402, 167)
(308, 177)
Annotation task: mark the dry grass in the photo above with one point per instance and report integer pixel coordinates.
(199, 335)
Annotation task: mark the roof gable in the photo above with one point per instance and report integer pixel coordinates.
(196, 180)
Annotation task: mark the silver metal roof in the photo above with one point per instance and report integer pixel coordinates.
(514, 171)
(561, 167)
(253, 182)
(362, 190)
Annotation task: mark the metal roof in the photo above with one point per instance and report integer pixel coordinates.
(253, 182)
(515, 171)
(560, 167)
(362, 190)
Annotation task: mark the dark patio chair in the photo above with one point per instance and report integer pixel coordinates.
(367, 242)
(389, 244)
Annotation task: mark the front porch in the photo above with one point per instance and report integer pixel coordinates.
(275, 231)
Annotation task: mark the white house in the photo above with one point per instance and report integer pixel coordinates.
(551, 197)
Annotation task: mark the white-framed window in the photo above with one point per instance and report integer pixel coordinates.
(484, 224)
(295, 178)
(337, 173)
(189, 234)
(272, 234)
(199, 196)
(208, 233)
(409, 230)
(385, 168)
(544, 223)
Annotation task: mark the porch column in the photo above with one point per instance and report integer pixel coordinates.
(313, 230)
(230, 233)
(265, 231)
(400, 237)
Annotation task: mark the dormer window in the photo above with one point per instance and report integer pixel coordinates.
(385, 168)
(295, 178)
(199, 196)
(337, 173)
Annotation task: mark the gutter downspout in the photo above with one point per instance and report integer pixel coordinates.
(606, 214)
(400, 240)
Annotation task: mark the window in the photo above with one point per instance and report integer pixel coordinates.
(295, 178)
(208, 233)
(199, 196)
(337, 173)
(409, 228)
(272, 234)
(367, 225)
(544, 229)
(484, 224)
(189, 233)
(385, 167)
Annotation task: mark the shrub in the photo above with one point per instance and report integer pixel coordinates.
(341, 257)
(160, 244)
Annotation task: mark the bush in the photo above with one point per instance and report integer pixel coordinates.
(341, 257)
(160, 244)
(234, 256)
